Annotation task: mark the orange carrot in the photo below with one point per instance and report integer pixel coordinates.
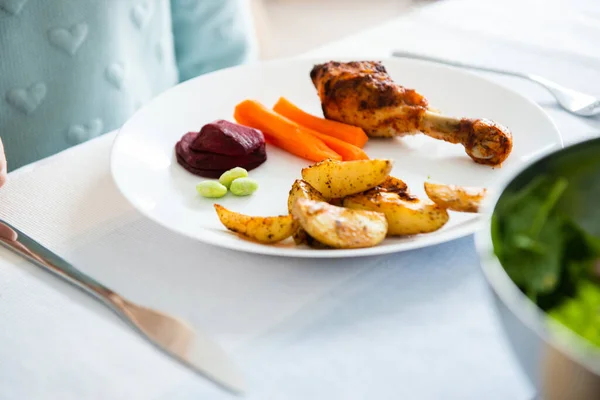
(243, 121)
(283, 132)
(348, 133)
(348, 151)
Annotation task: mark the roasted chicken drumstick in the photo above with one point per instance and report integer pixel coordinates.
(363, 94)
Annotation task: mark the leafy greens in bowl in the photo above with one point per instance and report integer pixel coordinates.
(552, 257)
(539, 253)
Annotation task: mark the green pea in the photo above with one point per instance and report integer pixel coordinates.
(231, 175)
(212, 189)
(243, 186)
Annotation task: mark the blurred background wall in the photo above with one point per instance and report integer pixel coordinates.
(290, 27)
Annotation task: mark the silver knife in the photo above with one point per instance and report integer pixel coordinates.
(171, 335)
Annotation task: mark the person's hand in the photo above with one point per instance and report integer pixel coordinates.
(3, 169)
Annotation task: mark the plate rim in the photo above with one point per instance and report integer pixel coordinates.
(469, 228)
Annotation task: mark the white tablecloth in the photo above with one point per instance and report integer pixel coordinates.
(416, 325)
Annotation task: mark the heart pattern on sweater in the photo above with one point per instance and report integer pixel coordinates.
(68, 40)
(13, 7)
(115, 74)
(79, 133)
(27, 100)
(140, 14)
(226, 30)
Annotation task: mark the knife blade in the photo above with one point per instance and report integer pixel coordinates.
(174, 337)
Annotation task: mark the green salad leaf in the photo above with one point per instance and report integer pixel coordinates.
(529, 240)
(552, 259)
(581, 312)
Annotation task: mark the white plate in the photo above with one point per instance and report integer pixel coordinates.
(145, 170)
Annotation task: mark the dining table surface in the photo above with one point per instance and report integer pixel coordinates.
(413, 325)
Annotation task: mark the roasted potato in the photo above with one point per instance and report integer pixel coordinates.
(302, 190)
(456, 198)
(260, 229)
(393, 185)
(340, 227)
(338, 201)
(343, 178)
(405, 214)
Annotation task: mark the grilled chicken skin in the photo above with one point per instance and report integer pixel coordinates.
(362, 93)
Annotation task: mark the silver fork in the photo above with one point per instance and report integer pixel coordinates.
(169, 334)
(575, 102)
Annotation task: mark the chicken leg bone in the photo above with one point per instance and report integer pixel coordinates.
(486, 142)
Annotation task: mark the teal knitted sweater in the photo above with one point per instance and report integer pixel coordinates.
(71, 70)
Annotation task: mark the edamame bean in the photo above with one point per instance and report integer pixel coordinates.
(231, 175)
(212, 189)
(243, 186)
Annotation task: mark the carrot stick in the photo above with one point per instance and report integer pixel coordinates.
(242, 121)
(348, 133)
(283, 132)
(348, 151)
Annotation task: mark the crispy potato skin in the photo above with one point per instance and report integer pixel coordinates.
(456, 198)
(261, 229)
(406, 214)
(302, 190)
(393, 185)
(339, 227)
(335, 179)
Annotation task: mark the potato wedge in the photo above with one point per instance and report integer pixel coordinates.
(405, 214)
(393, 185)
(261, 229)
(340, 179)
(456, 198)
(302, 190)
(340, 227)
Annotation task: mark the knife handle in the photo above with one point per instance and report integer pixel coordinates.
(171, 335)
(20, 243)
